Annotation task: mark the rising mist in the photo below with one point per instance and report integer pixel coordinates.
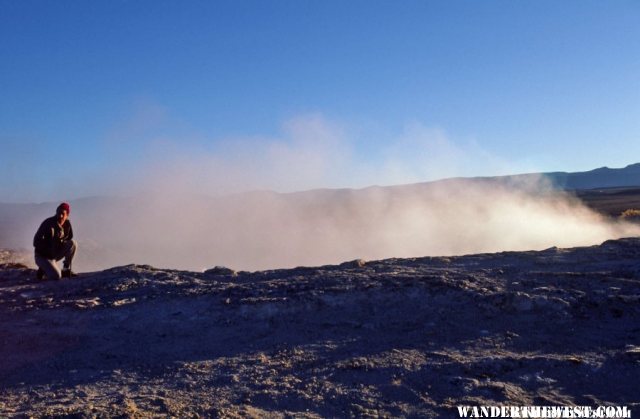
(186, 208)
(263, 230)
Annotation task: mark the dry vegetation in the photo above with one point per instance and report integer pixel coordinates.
(631, 215)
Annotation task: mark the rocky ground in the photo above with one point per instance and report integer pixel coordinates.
(396, 338)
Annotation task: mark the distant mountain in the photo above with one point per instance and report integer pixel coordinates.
(603, 177)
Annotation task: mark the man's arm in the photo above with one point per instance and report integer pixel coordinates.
(39, 237)
(43, 238)
(70, 231)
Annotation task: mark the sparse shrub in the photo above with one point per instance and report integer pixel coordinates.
(631, 215)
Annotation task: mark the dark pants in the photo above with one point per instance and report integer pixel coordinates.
(50, 266)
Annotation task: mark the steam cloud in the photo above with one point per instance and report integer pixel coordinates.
(189, 207)
(267, 230)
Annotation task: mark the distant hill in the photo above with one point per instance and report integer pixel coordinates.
(607, 191)
(603, 177)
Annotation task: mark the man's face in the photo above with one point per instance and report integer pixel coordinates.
(62, 216)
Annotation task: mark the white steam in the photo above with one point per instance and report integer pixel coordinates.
(189, 206)
(309, 152)
(266, 230)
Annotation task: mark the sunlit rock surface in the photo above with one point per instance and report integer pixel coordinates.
(397, 337)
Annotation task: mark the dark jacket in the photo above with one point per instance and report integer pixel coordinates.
(50, 237)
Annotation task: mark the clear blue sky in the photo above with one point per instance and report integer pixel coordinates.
(90, 89)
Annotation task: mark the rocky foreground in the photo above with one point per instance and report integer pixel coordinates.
(397, 337)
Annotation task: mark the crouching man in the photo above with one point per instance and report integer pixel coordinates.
(53, 242)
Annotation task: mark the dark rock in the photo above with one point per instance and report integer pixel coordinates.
(220, 271)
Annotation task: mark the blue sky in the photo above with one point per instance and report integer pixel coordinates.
(107, 97)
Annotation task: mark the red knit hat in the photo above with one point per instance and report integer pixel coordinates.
(63, 207)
